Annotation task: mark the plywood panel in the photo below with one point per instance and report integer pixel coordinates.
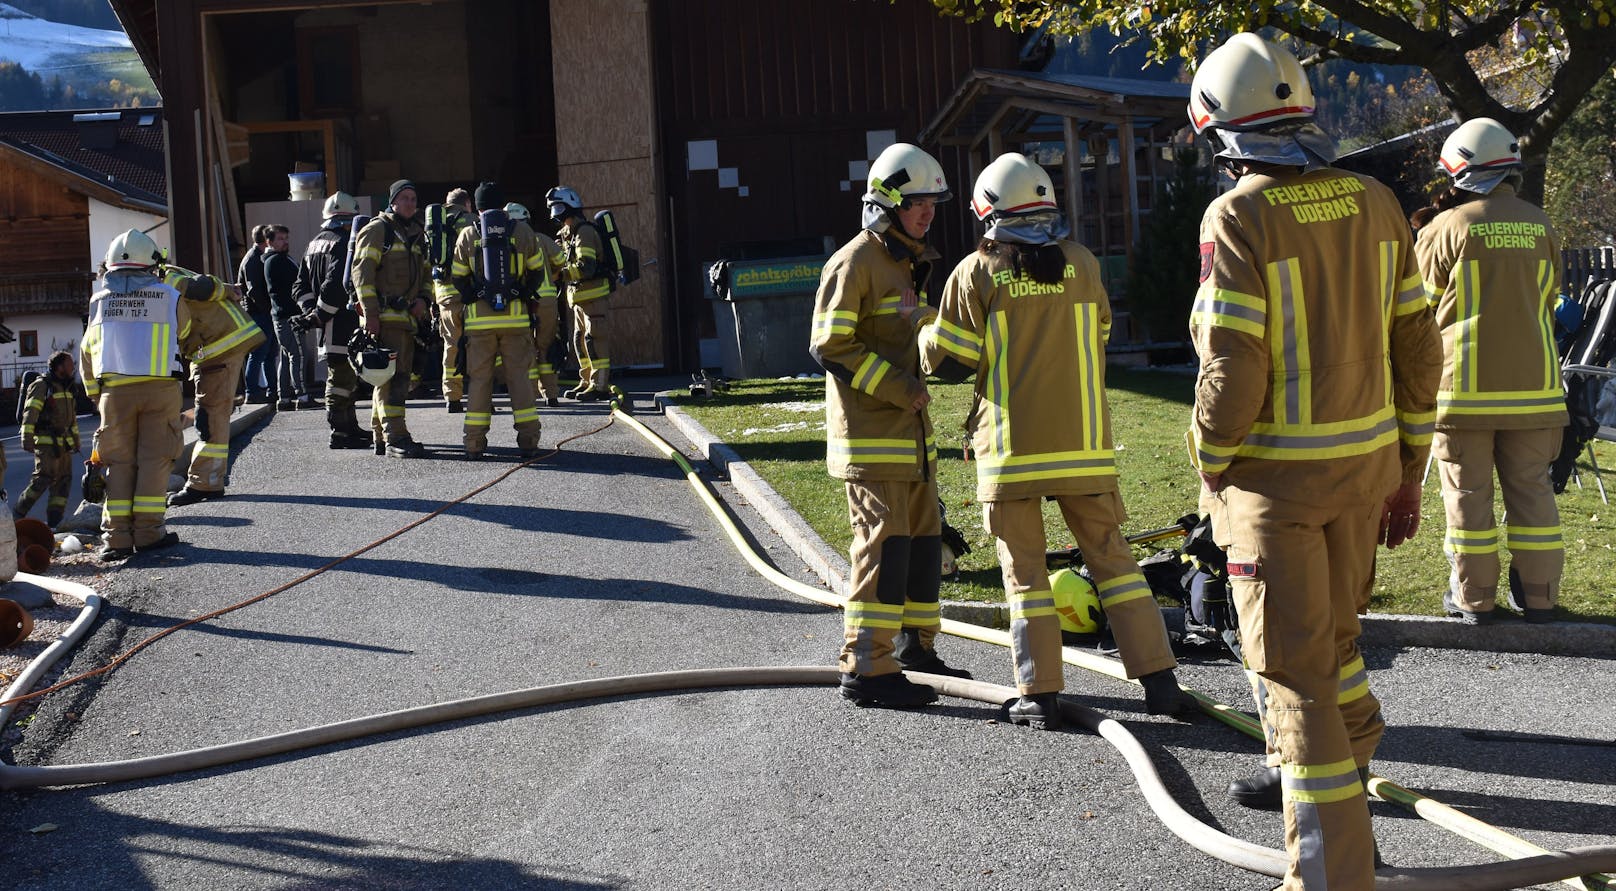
(602, 80)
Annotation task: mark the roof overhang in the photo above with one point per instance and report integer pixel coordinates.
(65, 173)
(1032, 105)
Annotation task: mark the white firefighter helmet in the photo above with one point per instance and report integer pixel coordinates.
(1077, 602)
(516, 211)
(1249, 83)
(373, 362)
(562, 200)
(905, 171)
(1012, 186)
(1480, 143)
(133, 250)
(340, 204)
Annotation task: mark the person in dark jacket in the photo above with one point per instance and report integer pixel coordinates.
(260, 369)
(280, 272)
(320, 285)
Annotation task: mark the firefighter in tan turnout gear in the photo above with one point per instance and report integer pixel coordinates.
(1501, 403)
(220, 338)
(878, 433)
(1027, 315)
(390, 276)
(131, 363)
(50, 430)
(457, 216)
(1313, 416)
(497, 319)
(587, 292)
(543, 297)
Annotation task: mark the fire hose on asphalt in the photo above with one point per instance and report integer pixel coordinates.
(1532, 865)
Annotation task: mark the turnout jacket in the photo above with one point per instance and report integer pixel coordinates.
(1492, 270)
(527, 262)
(50, 417)
(319, 283)
(870, 357)
(219, 327)
(134, 333)
(1319, 356)
(581, 269)
(1039, 423)
(387, 281)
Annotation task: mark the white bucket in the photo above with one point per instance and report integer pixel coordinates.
(307, 186)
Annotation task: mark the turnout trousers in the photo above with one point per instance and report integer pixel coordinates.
(589, 343)
(138, 440)
(387, 404)
(546, 323)
(1130, 608)
(1298, 573)
(514, 347)
(1532, 530)
(53, 473)
(452, 324)
(340, 382)
(897, 569)
(215, 402)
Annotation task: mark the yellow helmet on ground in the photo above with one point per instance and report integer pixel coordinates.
(1077, 602)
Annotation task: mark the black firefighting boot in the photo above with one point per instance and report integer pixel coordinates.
(54, 515)
(1163, 697)
(891, 690)
(913, 656)
(1040, 711)
(1261, 790)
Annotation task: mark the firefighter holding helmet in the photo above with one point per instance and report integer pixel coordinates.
(131, 362)
(867, 313)
(1501, 403)
(1027, 314)
(390, 278)
(1313, 414)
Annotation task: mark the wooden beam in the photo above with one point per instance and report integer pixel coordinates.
(178, 36)
(1130, 184)
(1074, 176)
(986, 131)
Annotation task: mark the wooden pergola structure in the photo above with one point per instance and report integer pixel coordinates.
(1098, 122)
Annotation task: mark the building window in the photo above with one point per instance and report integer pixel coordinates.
(28, 343)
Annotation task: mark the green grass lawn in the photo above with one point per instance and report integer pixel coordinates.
(778, 427)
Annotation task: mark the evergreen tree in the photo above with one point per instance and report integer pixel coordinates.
(20, 89)
(1165, 270)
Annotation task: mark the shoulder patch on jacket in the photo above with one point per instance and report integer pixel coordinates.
(1207, 248)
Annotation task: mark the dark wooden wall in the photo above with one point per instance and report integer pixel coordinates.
(789, 89)
(44, 234)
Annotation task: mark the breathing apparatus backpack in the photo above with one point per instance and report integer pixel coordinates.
(439, 243)
(494, 231)
(23, 383)
(619, 262)
(359, 222)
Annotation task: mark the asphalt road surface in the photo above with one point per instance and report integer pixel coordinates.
(600, 562)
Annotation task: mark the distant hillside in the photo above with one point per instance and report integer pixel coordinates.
(47, 64)
(89, 13)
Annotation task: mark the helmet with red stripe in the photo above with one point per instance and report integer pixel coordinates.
(1249, 84)
(1012, 186)
(1480, 143)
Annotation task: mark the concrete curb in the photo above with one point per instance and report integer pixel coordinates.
(1508, 635)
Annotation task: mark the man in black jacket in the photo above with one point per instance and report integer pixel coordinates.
(280, 271)
(260, 369)
(320, 284)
